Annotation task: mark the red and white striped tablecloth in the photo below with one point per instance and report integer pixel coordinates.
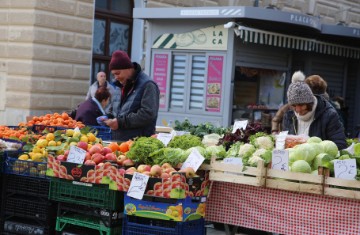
(280, 211)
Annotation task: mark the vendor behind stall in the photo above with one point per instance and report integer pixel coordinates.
(312, 115)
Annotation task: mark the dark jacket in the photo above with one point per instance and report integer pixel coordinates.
(137, 108)
(326, 124)
(87, 112)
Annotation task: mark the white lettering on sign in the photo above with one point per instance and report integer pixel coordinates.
(280, 159)
(303, 19)
(199, 12)
(76, 155)
(138, 185)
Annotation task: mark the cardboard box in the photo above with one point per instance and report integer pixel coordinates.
(166, 209)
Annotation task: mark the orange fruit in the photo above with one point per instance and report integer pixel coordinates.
(124, 147)
(113, 146)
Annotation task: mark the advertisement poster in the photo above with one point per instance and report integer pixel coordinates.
(214, 83)
(160, 75)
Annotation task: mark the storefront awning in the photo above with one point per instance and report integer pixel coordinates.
(252, 35)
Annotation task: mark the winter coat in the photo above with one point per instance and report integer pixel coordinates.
(278, 118)
(87, 112)
(326, 124)
(93, 88)
(138, 107)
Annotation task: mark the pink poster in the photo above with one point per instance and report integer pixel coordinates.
(214, 83)
(160, 74)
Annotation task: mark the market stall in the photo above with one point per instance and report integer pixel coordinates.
(280, 211)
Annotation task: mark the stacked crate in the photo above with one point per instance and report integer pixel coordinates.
(86, 207)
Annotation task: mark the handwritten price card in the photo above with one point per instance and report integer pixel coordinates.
(345, 169)
(165, 137)
(239, 125)
(194, 160)
(138, 185)
(280, 159)
(233, 161)
(76, 155)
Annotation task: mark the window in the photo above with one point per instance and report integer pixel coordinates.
(112, 31)
(187, 94)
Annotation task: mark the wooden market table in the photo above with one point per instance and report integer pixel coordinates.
(280, 211)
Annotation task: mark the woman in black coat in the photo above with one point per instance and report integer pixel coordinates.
(93, 107)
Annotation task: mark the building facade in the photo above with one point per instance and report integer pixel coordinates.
(47, 57)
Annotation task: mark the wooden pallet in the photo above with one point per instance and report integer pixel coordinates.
(341, 187)
(296, 182)
(223, 172)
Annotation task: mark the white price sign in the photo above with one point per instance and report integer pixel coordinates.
(233, 161)
(165, 137)
(76, 155)
(280, 159)
(138, 185)
(240, 125)
(345, 169)
(194, 160)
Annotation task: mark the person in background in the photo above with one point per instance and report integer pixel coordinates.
(339, 104)
(93, 107)
(101, 82)
(138, 106)
(312, 115)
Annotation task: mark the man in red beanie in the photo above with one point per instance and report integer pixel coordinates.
(138, 104)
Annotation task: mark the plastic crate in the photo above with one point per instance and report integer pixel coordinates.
(38, 209)
(109, 218)
(27, 227)
(14, 166)
(93, 195)
(134, 225)
(103, 132)
(38, 129)
(24, 185)
(86, 222)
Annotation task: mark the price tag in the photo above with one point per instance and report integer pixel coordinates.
(345, 169)
(76, 155)
(138, 185)
(164, 138)
(194, 160)
(233, 161)
(280, 159)
(239, 125)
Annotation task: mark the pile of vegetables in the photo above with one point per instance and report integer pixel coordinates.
(199, 130)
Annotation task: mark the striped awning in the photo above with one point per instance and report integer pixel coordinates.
(252, 35)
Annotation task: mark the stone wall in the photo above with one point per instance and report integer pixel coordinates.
(45, 56)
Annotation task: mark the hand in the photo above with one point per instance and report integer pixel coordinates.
(100, 120)
(112, 123)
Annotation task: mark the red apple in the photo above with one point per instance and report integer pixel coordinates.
(128, 162)
(66, 153)
(82, 145)
(87, 156)
(120, 159)
(94, 149)
(189, 172)
(110, 157)
(61, 158)
(165, 175)
(142, 168)
(166, 166)
(121, 171)
(97, 158)
(146, 173)
(130, 170)
(106, 150)
(155, 170)
(90, 163)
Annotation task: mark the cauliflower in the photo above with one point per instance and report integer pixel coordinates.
(263, 154)
(246, 150)
(262, 141)
(253, 161)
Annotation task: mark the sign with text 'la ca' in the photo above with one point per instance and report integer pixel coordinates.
(138, 185)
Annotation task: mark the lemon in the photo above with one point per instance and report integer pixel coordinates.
(76, 134)
(59, 152)
(23, 157)
(84, 138)
(70, 132)
(42, 143)
(36, 149)
(91, 137)
(58, 143)
(50, 136)
(73, 143)
(37, 157)
(52, 143)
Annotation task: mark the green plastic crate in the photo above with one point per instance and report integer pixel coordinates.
(86, 222)
(93, 195)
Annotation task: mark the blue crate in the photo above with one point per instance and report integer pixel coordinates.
(103, 132)
(133, 225)
(14, 166)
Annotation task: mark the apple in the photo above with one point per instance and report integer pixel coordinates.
(142, 168)
(150, 192)
(121, 171)
(94, 149)
(87, 156)
(128, 162)
(157, 186)
(82, 145)
(155, 170)
(166, 193)
(166, 166)
(61, 158)
(189, 172)
(169, 170)
(97, 158)
(146, 173)
(120, 159)
(110, 157)
(90, 163)
(106, 150)
(130, 170)
(66, 153)
(165, 175)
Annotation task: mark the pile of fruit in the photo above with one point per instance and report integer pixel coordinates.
(55, 119)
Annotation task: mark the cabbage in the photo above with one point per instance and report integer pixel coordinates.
(305, 152)
(246, 150)
(253, 161)
(233, 150)
(330, 148)
(357, 149)
(263, 154)
(301, 166)
(263, 142)
(318, 160)
(218, 151)
(318, 148)
(211, 139)
(199, 148)
(315, 172)
(314, 139)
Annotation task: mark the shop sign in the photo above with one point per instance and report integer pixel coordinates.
(160, 75)
(214, 83)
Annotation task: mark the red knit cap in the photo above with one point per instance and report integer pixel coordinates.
(120, 60)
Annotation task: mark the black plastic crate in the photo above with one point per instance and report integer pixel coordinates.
(110, 218)
(133, 225)
(14, 166)
(26, 227)
(24, 185)
(39, 209)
